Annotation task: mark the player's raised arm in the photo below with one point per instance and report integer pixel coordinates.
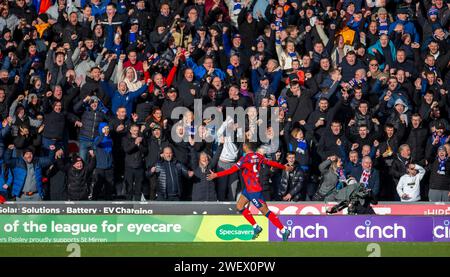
(278, 165)
(229, 171)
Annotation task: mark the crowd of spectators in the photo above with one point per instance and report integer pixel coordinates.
(359, 88)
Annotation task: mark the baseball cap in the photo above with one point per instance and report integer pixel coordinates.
(440, 125)
(402, 11)
(264, 77)
(134, 21)
(172, 89)
(36, 60)
(236, 36)
(93, 99)
(293, 78)
(260, 39)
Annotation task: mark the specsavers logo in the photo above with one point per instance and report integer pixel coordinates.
(230, 232)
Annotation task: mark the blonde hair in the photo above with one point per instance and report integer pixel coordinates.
(295, 132)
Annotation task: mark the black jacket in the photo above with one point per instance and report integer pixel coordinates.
(54, 125)
(327, 145)
(251, 30)
(398, 168)
(417, 139)
(291, 182)
(438, 181)
(77, 180)
(327, 115)
(168, 106)
(300, 107)
(155, 148)
(90, 119)
(204, 190)
(93, 88)
(134, 154)
(241, 102)
(184, 90)
(170, 179)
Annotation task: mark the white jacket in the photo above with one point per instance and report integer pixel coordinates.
(410, 185)
(230, 150)
(284, 59)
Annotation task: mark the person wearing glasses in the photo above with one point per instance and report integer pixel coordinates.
(244, 89)
(374, 73)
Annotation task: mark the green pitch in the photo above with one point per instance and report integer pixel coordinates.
(237, 249)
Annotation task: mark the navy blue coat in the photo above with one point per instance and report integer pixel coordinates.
(374, 179)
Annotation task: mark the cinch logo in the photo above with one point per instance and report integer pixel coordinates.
(230, 232)
(372, 232)
(442, 232)
(315, 231)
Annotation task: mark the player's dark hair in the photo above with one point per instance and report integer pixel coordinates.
(252, 146)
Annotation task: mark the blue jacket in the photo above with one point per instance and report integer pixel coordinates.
(99, 10)
(358, 4)
(374, 179)
(19, 168)
(200, 71)
(2, 178)
(349, 167)
(126, 100)
(408, 28)
(377, 46)
(274, 79)
(103, 149)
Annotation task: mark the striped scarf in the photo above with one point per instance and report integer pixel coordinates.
(383, 27)
(441, 168)
(365, 178)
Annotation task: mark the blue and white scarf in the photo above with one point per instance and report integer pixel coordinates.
(441, 168)
(301, 146)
